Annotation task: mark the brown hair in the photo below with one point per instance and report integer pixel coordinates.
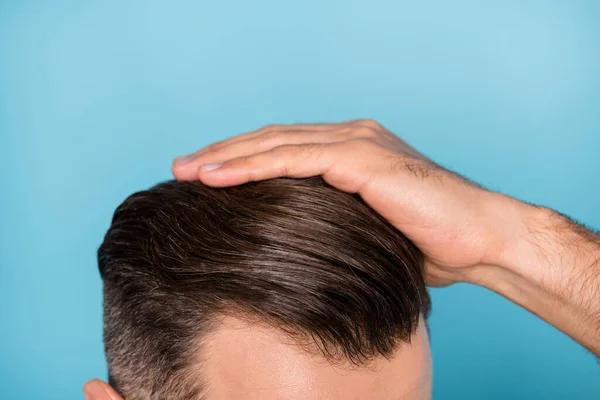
(298, 254)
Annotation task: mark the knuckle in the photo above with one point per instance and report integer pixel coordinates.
(215, 149)
(251, 176)
(278, 159)
(369, 123)
(284, 169)
(271, 128)
(210, 147)
(364, 131)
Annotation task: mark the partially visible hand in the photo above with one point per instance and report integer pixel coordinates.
(98, 390)
(456, 224)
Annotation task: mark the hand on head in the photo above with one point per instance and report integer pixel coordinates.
(438, 210)
(532, 255)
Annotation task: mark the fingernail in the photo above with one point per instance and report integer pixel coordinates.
(184, 159)
(211, 166)
(93, 391)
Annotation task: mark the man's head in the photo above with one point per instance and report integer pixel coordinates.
(280, 289)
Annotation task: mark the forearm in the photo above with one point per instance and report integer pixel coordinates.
(551, 266)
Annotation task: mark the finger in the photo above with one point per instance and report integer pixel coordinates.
(258, 144)
(322, 127)
(264, 130)
(98, 390)
(295, 161)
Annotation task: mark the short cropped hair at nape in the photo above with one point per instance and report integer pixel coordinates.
(297, 254)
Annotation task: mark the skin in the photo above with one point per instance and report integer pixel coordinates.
(254, 362)
(532, 255)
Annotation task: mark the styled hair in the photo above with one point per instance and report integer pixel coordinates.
(297, 254)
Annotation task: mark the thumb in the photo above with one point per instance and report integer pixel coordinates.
(98, 390)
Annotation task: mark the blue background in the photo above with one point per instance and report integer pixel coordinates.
(97, 97)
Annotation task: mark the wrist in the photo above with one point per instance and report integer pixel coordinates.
(506, 222)
(510, 222)
(525, 240)
(548, 264)
(544, 245)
